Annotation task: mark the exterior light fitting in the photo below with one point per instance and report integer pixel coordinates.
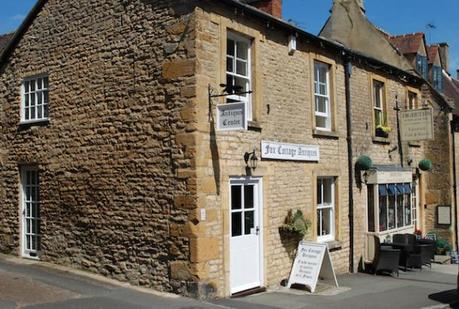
(251, 160)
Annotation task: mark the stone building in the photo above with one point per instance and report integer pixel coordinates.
(430, 62)
(115, 160)
(451, 91)
(381, 205)
(4, 40)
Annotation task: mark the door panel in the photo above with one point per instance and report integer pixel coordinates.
(30, 213)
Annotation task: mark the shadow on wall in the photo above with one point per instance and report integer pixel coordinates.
(290, 243)
(214, 154)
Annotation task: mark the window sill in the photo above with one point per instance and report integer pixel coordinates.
(414, 145)
(253, 126)
(34, 122)
(381, 140)
(325, 134)
(333, 245)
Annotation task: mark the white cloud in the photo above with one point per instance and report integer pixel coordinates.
(17, 17)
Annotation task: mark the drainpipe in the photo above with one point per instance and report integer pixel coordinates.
(453, 126)
(347, 82)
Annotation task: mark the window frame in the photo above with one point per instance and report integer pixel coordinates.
(35, 201)
(328, 96)
(332, 207)
(437, 77)
(382, 109)
(44, 106)
(422, 66)
(409, 103)
(247, 99)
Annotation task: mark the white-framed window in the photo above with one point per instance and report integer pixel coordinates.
(378, 102)
(322, 96)
(379, 105)
(35, 99)
(412, 100)
(325, 209)
(238, 70)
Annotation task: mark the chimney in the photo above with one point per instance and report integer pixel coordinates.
(273, 7)
(443, 48)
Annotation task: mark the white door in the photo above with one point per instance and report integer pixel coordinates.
(30, 213)
(246, 236)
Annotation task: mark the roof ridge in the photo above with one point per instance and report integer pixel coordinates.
(407, 35)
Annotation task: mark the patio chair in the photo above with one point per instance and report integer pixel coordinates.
(427, 260)
(385, 259)
(414, 254)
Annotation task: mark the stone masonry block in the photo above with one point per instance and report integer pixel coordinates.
(180, 270)
(178, 68)
(185, 201)
(203, 249)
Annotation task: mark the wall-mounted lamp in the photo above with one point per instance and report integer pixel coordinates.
(251, 160)
(292, 44)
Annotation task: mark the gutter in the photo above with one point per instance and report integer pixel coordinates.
(347, 86)
(321, 41)
(455, 231)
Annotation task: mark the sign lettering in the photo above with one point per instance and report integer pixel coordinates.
(231, 117)
(416, 125)
(312, 260)
(293, 152)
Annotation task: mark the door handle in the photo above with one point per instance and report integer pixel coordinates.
(257, 230)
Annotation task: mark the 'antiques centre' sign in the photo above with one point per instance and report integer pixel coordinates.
(231, 117)
(416, 125)
(293, 152)
(312, 261)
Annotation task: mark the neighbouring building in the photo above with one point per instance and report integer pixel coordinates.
(395, 196)
(430, 62)
(116, 154)
(451, 91)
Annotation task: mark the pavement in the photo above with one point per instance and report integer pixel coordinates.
(37, 285)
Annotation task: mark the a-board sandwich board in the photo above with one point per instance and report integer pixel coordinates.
(312, 262)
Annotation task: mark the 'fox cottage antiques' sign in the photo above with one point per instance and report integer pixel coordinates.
(292, 152)
(416, 125)
(231, 117)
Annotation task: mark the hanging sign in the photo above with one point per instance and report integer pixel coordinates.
(293, 152)
(231, 117)
(416, 125)
(312, 261)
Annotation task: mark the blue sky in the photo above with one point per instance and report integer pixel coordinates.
(394, 16)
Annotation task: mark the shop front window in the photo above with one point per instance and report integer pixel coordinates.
(395, 206)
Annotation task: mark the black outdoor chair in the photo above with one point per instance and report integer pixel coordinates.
(429, 252)
(414, 254)
(385, 259)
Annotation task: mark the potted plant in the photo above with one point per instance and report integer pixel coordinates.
(295, 224)
(383, 131)
(442, 247)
